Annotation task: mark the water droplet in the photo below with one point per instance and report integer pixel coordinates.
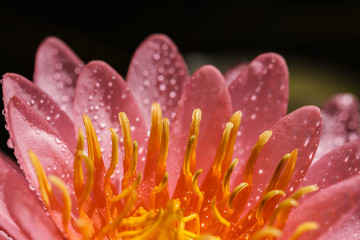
(10, 143)
(58, 140)
(103, 124)
(172, 94)
(162, 87)
(156, 56)
(110, 84)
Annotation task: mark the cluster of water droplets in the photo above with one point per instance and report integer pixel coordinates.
(162, 72)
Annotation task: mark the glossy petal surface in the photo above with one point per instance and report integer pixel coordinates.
(260, 91)
(56, 70)
(101, 93)
(28, 130)
(14, 84)
(205, 90)
(22, 215)
(156, 74)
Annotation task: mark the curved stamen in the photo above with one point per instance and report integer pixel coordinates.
(303, 228)
(263, 203)
(66, 209)
(267, 232)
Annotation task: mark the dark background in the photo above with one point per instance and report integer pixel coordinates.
(320, 41)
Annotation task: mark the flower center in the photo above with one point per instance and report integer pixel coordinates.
(145, 210)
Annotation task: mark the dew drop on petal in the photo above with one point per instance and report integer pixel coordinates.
(10, 143)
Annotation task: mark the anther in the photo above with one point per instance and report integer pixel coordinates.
(197, 191)
(45, 188)
(152, 156)
(92, 141)
(133, 164)
(304, 227)
(235, 192)
(128, 145)
(235, 120)
(304, 190)
(267, 232)
(66, 209)
(264, 202)
(276, 174)
(284, 206)
(226, 181)
(248, 174)
(288, 171)
(128, 190)
(89, 180)
(217, 214)
(221, 151)
(78, 172)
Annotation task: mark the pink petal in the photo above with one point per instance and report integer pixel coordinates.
(206, 90)
(340, 122)
(56, 70)
(22, 215)
(101, 93)
(349, 228)
(29, 130)
(156, 74)
(233, 73)
(300, 129)
(14, 84)
(337, 165)
(328, 207)
(261, 93)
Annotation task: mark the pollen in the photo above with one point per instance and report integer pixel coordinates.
(95, 209)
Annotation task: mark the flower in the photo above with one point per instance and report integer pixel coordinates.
(253, 180)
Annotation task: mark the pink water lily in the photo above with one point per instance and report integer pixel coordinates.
(244, 171)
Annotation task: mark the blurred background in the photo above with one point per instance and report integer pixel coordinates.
(319, 40)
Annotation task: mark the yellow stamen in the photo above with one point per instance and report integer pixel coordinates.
(304, 227)
(93, 143)
(158, 189)
(154, 140)
(139, 221)
(235, 192)
(128, 145)
(187, 161)
(263, 203)
(197, 191)
(235, 120)
(276, 175)
(66, 209)
(114, 154)
(126, 192)
(164, 146)
(304, 190)
(117, 221)
(217, 214)
(221, 151)
(248, 174)
(162, 185)
(226, 181)
(267, 232)
(284, 206)
(195, 123)
(288, 171)
(78, 172)
(133, 164)
(45, 188)
(89, 180)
